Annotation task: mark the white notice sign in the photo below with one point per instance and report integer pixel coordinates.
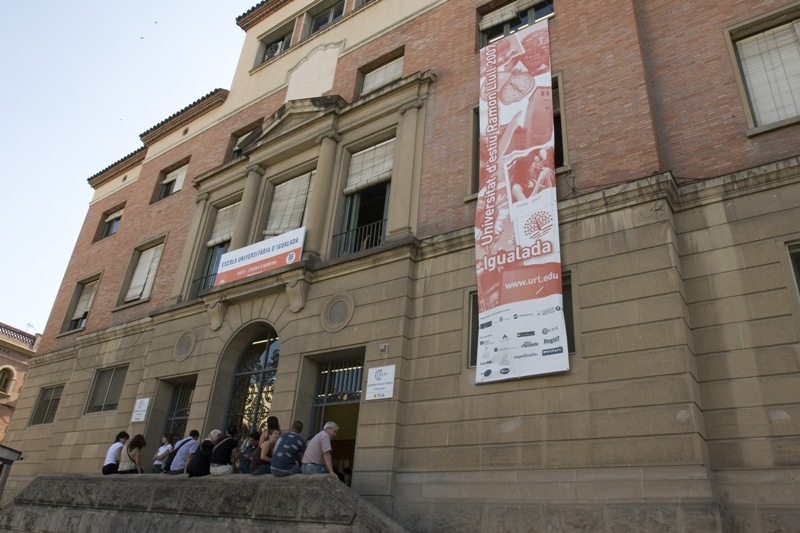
(380, 383)
(140, 410)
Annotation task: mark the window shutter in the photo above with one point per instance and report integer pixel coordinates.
(223, 225)
(177, 176)
(115, 388)
(100, 390)
(288, 205)
(85, 300)
(370, 166)
(498, 16)
(382, 75)
(115, 215)
(145, 273)
(770, 64)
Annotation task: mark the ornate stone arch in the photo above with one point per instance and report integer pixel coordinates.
(251, 358)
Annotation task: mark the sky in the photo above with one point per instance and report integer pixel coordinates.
(81, 80)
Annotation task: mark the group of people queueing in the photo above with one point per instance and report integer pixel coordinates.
(268, 452)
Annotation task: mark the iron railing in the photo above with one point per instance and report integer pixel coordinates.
(360, 238)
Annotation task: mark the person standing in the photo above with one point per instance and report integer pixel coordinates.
(184, 449)
(225, 453)
(131, 456)
(289, 450)
(317, 458)
(163, 452)
(111, 463)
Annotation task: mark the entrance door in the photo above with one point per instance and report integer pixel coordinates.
(253, 382)
(337, 399)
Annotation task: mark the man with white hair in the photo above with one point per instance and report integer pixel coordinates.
(317, 458)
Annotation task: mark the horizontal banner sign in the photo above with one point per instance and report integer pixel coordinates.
(269, 254)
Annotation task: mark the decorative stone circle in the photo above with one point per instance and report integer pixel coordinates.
(337, 312)
(183, 348)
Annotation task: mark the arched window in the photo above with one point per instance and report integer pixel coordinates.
(6, 377)
(253, 382)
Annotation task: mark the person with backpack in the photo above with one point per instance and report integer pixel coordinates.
(200, 461)
(225, 453)
(176, 461)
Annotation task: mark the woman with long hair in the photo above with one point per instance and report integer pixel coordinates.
(131, 456)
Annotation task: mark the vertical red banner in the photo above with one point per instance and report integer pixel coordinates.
(522, 330)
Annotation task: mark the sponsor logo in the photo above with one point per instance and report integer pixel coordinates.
(488, 372)
(552, 340)
(504, 371)
(545, 331)
(486, 325)
(529, 344)
(526, 334)
(552, 351)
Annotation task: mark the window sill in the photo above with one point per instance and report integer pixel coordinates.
(751, 132)
(70, 332)
(126, 305)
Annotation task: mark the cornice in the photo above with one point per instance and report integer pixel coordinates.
(259, 12)
(115, 169)
(186, 115)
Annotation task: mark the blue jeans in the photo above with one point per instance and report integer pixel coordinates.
(284, 473)
(313, 469)
(261, 470)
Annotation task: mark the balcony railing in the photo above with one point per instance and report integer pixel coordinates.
(360, 238)
(201, 284)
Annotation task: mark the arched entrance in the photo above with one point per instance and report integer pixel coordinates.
(254, 380)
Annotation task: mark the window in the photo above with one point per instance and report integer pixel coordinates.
(360, 3)
(145, 273)
(559, 139)
(569, 319)
(178, 413)
(106, 389)
(239, 141)
(769, 62)
(511, 18)
(794, 258)
(366, 199)
(324, 18)
(46, 405)
(288, 205)
(83, 305)
(475, 160)
(254, 381)
(218, 244)
(172, 182)
(473, 328)
(111, 224)
(383, 75)
(558, 127)
(273, 45)
(6, 378)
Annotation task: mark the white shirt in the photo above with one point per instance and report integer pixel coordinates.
(111, 454)
(164, 448)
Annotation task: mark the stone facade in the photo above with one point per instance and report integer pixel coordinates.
(679, 218)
